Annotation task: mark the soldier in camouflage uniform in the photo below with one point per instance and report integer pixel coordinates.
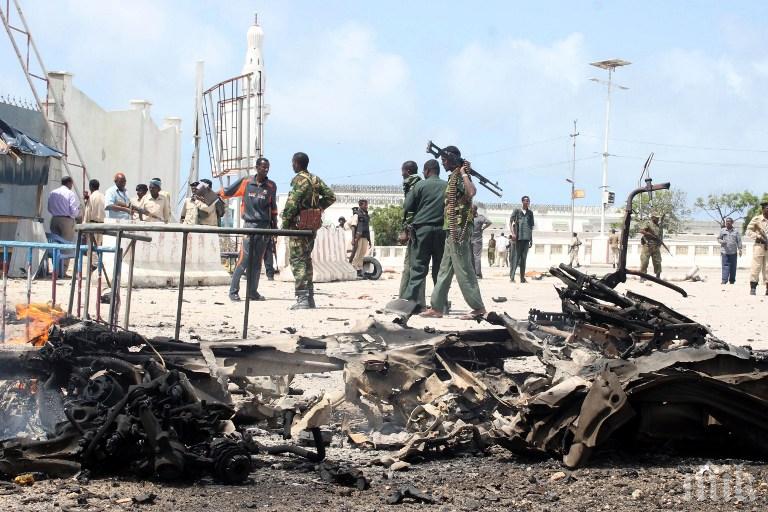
(410, 173)
(457, 256)
(307, 191)
(651, 245)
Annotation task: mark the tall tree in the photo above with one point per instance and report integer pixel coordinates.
(754, 211)
(387, 223)
(730, 204)
(671, 205)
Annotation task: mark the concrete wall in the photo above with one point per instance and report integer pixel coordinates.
(551, 250)
(127, 140)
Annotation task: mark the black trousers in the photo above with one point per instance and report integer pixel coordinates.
(521, 255)
(428, 245)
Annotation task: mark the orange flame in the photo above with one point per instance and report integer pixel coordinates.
(41, 317)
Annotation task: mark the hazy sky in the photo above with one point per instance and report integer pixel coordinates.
(361, 86)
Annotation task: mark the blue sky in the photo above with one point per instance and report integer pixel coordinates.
(360, 86)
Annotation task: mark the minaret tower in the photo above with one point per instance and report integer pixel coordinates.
(253, 86)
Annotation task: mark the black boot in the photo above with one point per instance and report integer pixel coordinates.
(302, 300)
(753, 287)
(311, 297)
(766, 288)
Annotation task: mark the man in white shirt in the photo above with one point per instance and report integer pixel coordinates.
(64, 207)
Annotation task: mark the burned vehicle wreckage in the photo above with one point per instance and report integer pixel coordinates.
(609, 369)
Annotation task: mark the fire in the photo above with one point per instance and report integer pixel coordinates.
(41, 317)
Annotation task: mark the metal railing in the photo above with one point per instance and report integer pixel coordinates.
(121, 231)
(55, 250)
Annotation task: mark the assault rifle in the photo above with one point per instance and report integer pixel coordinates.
(655, 238)
(454, 160)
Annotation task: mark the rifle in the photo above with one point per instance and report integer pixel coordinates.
(760, 231)
(654, 237)
(438, 152)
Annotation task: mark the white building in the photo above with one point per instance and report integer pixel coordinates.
(127, 141)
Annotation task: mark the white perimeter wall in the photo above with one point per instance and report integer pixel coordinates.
(125, 140)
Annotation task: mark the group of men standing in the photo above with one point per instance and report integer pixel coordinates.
(258, 209)
(439, 220)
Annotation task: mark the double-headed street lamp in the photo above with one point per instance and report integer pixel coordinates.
(610, 66)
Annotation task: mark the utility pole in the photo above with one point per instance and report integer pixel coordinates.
(610, 66)
(573, 172)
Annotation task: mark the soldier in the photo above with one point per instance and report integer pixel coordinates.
(308, 194)
(410, 173)
(426, 202)
(457, 256)
(573, 250)
(492, 251)
(258, 208)
(479, 224)
(522, 227)
(613, 246)
(757, 229)
(651, 245)
(360, 224)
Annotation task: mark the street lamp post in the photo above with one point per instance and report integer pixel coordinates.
(572, 181)
(610, 66)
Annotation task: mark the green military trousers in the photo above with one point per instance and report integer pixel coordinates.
(654, 254)
(457, 259)
(427, 246)
(406, 277)
(300, 257)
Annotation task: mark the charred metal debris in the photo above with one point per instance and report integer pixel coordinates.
(112, 401)
(619, 370)
(609, 370)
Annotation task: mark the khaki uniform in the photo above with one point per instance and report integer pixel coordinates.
(94, 212)
(159, 207)
(613, 246)
(491, 252)
(651, 249)
(759, 251)
(573, 250)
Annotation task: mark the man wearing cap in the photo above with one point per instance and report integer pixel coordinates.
(196, 209)
(651, 245)
(757, 230)
(258, 209)
(457, 256)
(730, 250)
(157, 205)
(117, 205)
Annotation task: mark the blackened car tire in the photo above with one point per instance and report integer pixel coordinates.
(371, 268)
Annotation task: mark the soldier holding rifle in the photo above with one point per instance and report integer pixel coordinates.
(651, 245)
(757, 229)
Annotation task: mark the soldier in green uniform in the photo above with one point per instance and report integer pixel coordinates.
(457, 256)
(426, 202)
(307, 192)
(651, 245)
(410, 173)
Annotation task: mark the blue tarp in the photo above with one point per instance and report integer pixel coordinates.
(25, 144)
(29, 159)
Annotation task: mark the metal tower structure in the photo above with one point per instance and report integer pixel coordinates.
(55, 120)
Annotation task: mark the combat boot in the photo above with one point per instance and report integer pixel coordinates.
(766, 288)
(753, 287)
(302, 301)
(311, 297)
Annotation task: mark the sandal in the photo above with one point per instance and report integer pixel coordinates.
(431, 313)
(474, 315)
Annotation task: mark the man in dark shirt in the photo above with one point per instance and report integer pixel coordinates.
(426, 202)
(258, 209)
(522, 227)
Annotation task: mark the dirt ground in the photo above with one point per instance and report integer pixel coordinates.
(496, 481)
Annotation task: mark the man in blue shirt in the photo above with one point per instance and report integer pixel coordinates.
(117, 204)
(730, 248)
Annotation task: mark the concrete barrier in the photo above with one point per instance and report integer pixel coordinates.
(158, 262)
(329, 257)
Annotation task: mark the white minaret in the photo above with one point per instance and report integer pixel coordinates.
(253, 87)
